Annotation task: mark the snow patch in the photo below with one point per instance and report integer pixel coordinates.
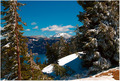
(7, 45)
(67, 59)
(65, 35)
(48, 69)
(73, 61)
(102, 78)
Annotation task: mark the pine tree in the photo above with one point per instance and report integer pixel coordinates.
(57, 50)
(37, 60)
(51, 53)
(73, 47)
(35, 69)
(14, 44)
(61, 52)
(64, 48)
(76, 41)
(67, 49)
(99, 34)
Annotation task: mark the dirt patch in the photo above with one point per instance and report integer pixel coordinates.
(114, 73)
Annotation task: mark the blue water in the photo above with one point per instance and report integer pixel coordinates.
(42, 58)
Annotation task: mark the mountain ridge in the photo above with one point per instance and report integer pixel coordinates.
(64, 35)
(58, 35)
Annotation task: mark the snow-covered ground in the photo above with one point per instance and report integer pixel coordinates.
(67, 59)
(73, 61)
(109, 75)
(102, 78)
(48, 69)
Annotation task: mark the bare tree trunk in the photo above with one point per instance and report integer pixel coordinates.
(17, 41)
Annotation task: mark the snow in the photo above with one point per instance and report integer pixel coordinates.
(4, 80)
(48, 69)
(65, 35)
(33, 39)
(102, 78)
(41, 36)
(8, 25)
(92, 30)
(81, 52)
(73, 61)
(116, 68)
(7, 45)
(67, 59)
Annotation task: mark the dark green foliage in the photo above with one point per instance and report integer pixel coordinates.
(29, 70)
(63, 48)
(69, 71)
(51, 54)
(37, 60)
(76, 41)
(99, 34)
(63, 71)
(8, 44)
(26, 72)
(59, 70)
(57, 50)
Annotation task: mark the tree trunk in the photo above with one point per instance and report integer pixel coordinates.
(17, 41)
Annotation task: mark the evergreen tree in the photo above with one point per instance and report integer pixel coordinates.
(76, 44)
(77, 38)
(61, 52)
(100, 34)
(35, 69)
(14, 44)
(73, 47)
(67, 49)
(57, 50)
(37, 60)
(51, 53)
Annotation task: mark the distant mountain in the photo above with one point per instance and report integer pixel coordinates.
(64, 35)
(40, 36)
(38, 43)
(37, 36)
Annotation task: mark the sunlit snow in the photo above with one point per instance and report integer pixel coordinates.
(72, 60)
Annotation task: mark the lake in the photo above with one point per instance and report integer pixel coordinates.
(42, 58)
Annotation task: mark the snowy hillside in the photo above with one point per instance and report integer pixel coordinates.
(73, 61)
(108, 75)
(65, 35)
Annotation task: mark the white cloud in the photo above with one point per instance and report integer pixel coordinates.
(36, 27)
(33, 23)
(27, 29)
(57, 28)
(45, 29)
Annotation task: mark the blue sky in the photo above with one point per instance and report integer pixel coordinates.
(50, 17)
